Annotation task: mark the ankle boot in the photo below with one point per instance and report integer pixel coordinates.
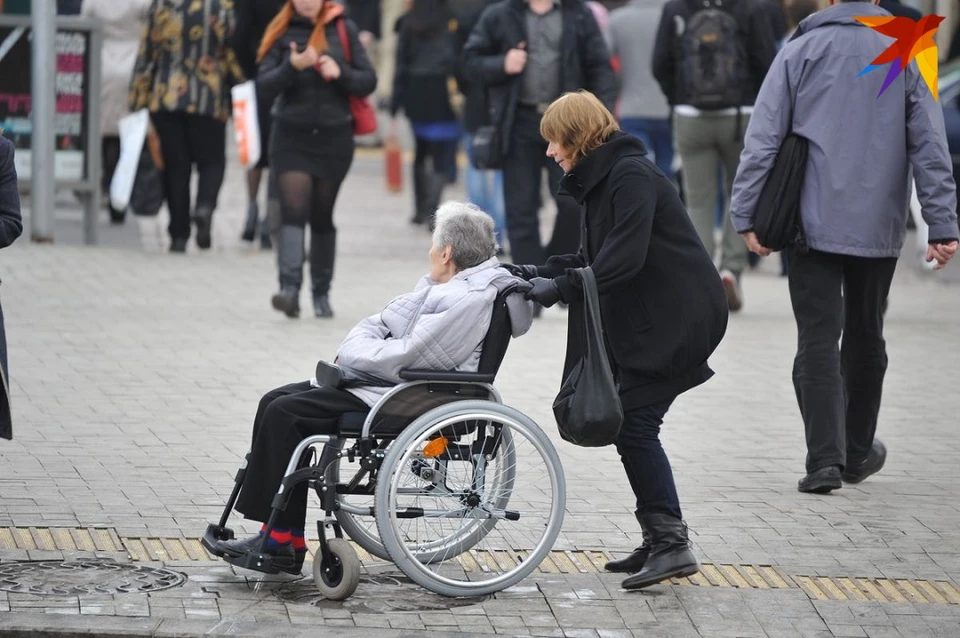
(203, 218)
(634, 562)
(250, 225)
(290, 268)
(323, 253)
(670, 553)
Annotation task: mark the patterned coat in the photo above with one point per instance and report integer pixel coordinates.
(185, 62)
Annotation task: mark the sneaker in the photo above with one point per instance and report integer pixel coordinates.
(731, 286)
(285, 558)
(858, 472)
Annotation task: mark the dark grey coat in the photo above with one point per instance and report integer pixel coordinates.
(11, 225)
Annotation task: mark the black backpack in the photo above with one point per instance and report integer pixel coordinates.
(713, 60)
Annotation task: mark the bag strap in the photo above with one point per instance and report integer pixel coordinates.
(593, 328)
(344, 39)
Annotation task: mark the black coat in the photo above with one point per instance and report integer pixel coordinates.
(757, 33)
(467, 13)
(585, 63)
(304, 98)
(11, 225)
(423, 67)
(663, 307)
(252, 18)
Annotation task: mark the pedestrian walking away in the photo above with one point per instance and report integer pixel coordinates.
(642, 247)
(862, 145)
(183, 75)
(710, 58)
(121, 24)
(426, 60)
(304, 70)
(253, 16)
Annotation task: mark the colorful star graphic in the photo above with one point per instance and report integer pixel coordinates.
(914, 40)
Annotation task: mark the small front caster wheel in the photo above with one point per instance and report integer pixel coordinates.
(337, 578)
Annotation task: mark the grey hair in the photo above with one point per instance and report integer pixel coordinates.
(468, 231)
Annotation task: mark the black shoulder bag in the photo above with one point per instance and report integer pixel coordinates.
(588, 409)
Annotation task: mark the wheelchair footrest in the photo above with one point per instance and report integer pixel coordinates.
(214, 534)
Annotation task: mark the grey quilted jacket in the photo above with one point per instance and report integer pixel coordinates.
(435, 327)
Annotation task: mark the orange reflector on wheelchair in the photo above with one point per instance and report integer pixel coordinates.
(435, 447)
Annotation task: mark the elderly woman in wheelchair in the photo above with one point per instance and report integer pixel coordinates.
(412, 388)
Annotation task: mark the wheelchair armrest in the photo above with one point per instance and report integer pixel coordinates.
(445, 376)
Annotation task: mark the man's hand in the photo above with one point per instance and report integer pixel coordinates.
(544, 291)
(753, 244)
(516, 60)
(366, 39)
(942, 253)
(303, 59)
(523, 272)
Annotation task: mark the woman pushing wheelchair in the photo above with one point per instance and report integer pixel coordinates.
(662, 307)
(440, 326)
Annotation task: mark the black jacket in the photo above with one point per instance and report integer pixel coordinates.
(663, 307)
(304, 98)
(252, 18)
(11, 225)
(585, 63)
(366, 15)
(756, 29)
(467, 13)
(423, 68)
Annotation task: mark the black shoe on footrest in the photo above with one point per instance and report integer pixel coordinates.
(246, 553)
(214, 536)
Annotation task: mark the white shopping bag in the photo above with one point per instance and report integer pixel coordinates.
(133, 131)
(246, 124)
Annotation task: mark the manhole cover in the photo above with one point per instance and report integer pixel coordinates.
(84, 577)
(379, 593)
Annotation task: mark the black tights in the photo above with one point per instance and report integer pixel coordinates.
(304, 198)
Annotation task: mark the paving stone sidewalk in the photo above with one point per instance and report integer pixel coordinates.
(135, 375)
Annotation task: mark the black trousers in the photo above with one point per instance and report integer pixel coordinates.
(646, 463)
(285, 417)
(839, 386)
(522, 168)
(189, 140)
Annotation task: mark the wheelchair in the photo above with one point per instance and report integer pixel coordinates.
(465, 495)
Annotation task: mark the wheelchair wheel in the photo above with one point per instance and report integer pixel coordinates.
(488, 512)
(338, 578)
(363, 529)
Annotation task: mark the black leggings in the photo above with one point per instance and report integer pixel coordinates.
(304, 198)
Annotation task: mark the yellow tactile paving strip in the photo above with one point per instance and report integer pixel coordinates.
(842, 588)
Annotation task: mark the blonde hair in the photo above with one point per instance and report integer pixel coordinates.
(579, 122)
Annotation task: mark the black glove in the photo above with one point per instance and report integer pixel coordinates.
(544, 291)
(524, 272)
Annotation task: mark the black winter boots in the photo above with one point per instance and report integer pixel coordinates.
(670, 554)
(290, 268)
(634, 562)
(323, 253)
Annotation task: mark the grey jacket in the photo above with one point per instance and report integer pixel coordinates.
(856, 192)
(435, 327)
(632, 32)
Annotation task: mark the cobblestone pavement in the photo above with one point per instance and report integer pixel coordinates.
(135, 375)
